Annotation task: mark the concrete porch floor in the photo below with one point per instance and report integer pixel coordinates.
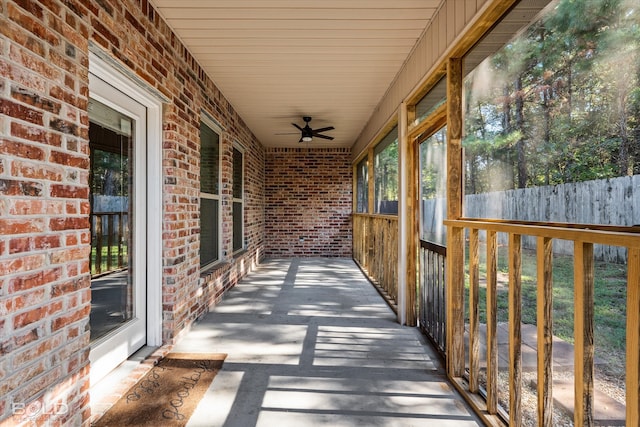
(311, 343)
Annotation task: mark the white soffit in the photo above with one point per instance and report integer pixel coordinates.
(279, 60)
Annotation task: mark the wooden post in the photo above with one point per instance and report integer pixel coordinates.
(545, 331)
(583, 333)
(413, 204)
(633, 338)
(407, 232)
(515, 332)
(455, 237)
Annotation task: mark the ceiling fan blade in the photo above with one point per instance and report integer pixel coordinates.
(323, 129)
(299, 128)
(323, 136)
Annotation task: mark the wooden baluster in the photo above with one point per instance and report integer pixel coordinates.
(387, 267)
(515, 332)
(373, 265)
(367, 241)
(474, 312)
(384, 255)
(358, 233)
(421, 285)
(393, 266)
(110, 218)
(545, 331)
(492, 324)
(358, 227)
(98, 265)
(442, 293)
(120, 236)
(583, 333)
(127, 236)
(435, 297)
(633, 337)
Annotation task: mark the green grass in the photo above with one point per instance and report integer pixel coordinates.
(104, 257)
(609, 296)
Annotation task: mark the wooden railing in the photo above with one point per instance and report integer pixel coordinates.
(583, 237)
(431, 293)
(375, 249)
(108, 245)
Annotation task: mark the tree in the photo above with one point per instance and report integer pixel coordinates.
(558, 103)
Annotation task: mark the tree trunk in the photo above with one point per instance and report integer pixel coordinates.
(506, 110)
(624, 153)
(520, 146)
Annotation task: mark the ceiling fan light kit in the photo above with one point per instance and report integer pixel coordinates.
(307, 133)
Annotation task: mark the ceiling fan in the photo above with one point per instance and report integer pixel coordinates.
(308, 133)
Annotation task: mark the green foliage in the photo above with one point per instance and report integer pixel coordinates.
(110, 173)
(432, 166)
(560, 102)
(386, 173)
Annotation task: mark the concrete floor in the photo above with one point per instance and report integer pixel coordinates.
(311, 343)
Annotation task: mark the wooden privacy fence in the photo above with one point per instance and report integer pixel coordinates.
(108, 232)
(583, 238)
(375, 249)
(613, 201)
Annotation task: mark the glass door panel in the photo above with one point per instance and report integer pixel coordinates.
(110, 142)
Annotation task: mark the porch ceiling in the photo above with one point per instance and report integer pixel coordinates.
(279, 60)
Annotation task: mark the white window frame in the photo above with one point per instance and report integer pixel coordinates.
(213, 126)
(240, 200)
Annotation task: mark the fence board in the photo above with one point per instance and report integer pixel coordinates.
(614, 201)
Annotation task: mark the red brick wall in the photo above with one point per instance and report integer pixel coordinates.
(308, 195)
(44, 160)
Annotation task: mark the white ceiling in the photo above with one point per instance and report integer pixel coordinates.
(279, 60)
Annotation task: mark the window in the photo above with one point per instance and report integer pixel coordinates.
(436, 97)
(386, 174)
(433, 187)
(209, 195)
(238, 204)
(362, 186)
(551, 118)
